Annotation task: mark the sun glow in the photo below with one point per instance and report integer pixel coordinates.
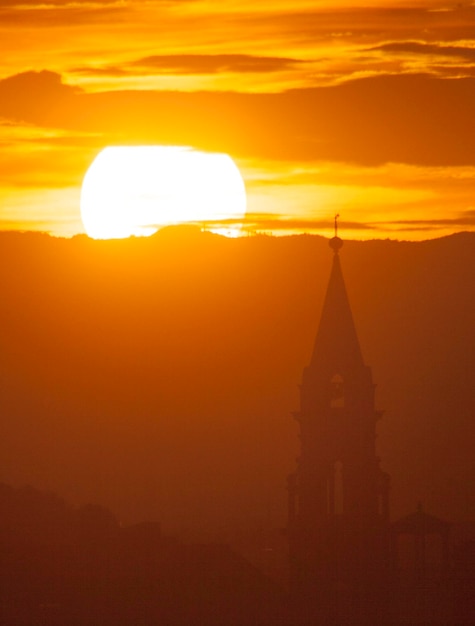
(136, 190)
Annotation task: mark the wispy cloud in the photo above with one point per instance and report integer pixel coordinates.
(371, 24)
(464, 219)
(299, 44)
(281, 223)
(53, 13)
(194, 64)
(427, 49)
(413, 119)
(42, 158)
(276, 223)
(22, 5)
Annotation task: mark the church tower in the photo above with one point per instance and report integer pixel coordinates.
(338, 519)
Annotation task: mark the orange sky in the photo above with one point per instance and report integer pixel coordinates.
(326, 107)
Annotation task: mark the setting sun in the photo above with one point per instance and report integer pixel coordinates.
(136, 190)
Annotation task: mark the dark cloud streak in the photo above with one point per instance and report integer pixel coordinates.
(64, 15)
(362, 25)
(414, 119)
(214, 63)
(275, 223)
(272, 222)
(467, 218)
(20, 5)
(193, 64)
(425, 49)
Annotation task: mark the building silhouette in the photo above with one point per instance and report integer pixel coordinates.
(338, 512)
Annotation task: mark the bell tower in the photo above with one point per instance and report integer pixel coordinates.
(338, 518)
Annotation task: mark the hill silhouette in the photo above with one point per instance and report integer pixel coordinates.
(157, 376)
(67, 565)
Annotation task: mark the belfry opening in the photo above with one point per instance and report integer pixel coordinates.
(338, 521)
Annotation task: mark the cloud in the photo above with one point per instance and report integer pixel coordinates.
(214, 63)
(36, 157)
(21, 5)
(276, 222)
(274, 26)
(360, 25)
(299, 44)
(195, 64)
(414, 119)
(464, 219)
(31, 96)
(52, 13)
(426, 49)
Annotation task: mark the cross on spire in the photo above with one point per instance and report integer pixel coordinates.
(335, 242)
(336, 224)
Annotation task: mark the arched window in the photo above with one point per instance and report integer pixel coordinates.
(337, 392)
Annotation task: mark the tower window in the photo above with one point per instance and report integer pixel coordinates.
(337, 392)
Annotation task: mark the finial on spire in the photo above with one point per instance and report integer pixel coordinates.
(336, 243)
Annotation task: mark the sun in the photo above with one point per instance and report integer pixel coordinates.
(135, 190)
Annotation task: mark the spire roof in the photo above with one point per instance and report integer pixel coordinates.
(336, 345)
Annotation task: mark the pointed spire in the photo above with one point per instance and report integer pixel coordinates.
(336, 348)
